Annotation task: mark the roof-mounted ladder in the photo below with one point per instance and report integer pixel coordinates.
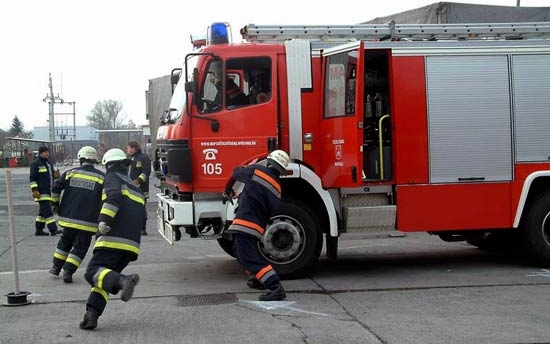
(279, 33)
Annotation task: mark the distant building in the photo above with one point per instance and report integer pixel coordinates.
(67, 140)
(83, 133)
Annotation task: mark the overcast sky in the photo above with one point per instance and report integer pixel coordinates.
(109, 49)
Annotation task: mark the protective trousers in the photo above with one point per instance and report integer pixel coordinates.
(103, 273)
(71, 249)
(248, 255)
(45, 217)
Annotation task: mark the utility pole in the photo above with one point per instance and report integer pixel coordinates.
(51, 99)
(518, 3)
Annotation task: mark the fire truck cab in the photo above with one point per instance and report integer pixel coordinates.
(390, 128)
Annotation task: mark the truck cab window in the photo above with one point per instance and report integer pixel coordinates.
(211, 100)
(243, 82)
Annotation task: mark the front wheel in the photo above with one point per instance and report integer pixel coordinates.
(292, 241)
(227, 246)
(536, 231)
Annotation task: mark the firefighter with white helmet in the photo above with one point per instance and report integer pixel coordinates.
(118, 238)
(80, 192)
(258, 201)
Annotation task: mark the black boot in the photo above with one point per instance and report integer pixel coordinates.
(67, 276)
(127, 284)
(90, 320)
(40, 233)
(54, 270)
(55, 232)
(275, 293)
(255, 284)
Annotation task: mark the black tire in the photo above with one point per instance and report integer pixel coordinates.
(227, 245)
(536, 231)
(292, 241)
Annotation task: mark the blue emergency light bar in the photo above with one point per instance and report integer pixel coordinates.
(219, 33)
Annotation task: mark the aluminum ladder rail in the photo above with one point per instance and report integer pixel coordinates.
(279, 33)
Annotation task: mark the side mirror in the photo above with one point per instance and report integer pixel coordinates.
(175, 76)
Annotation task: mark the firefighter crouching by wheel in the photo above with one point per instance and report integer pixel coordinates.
(41, 178)
(77, 212)
(139, 172)
(258, 201)
(118, 238)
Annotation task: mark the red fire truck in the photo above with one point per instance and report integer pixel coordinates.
(409, 128)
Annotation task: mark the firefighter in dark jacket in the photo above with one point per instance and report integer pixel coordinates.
(139, 172)
(258, 201)
(77, 212)
(118, 238)
(41, 178)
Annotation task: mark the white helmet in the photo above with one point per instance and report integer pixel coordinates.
(114, 154)
(87, 153)
(278, 159)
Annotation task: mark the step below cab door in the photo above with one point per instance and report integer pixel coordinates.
(341, 117)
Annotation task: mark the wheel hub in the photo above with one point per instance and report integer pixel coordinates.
(283, 240)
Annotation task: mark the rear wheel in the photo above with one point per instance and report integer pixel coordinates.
(292, 241)
(536, 231)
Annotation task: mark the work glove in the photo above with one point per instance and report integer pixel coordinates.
(103, 228)
(227, 196)
(56, 174)
(36, 194)
(138, 181)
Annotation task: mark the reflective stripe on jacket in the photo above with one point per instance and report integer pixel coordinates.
(80, 192)
(258, 201)
(123, 209)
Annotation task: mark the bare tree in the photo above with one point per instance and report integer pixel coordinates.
(130, 125)
(106, 115)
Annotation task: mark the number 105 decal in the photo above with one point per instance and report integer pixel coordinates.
(212, 168)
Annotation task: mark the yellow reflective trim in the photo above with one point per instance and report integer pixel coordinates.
(133, 197)
(50, 221)
(73, 261)
(77, 226)
(59, 256)
(143, 177)
(34, 185)
(40, 219)
(101, 292)
(42, 169)
(101, 276)
(44, 198)
(85, 176)
(107, 212)
(103, 196)
(117, 246)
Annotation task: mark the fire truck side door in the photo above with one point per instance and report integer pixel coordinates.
(341, 118)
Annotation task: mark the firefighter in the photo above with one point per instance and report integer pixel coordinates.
(118, 238)
(139, 172)
(42, 175)
(77, 212)
(258, 201)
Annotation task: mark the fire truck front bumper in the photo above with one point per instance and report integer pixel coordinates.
(173, 215)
